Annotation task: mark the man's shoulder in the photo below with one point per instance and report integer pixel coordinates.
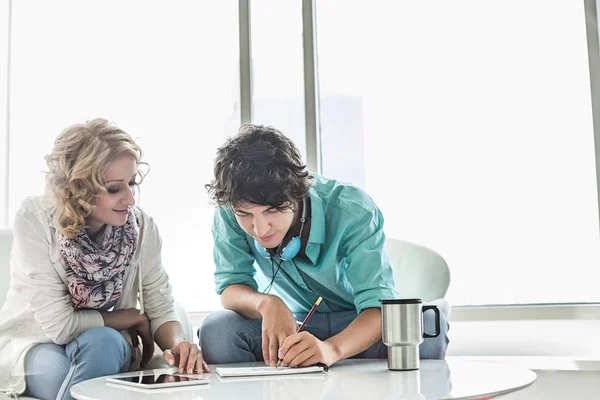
(343, 197)
(224, 213)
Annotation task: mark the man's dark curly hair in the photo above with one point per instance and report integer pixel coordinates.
(261, 166)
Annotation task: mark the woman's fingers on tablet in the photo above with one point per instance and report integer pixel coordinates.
(187, 357)
(184, 352)
(199, 363)
(192, 358)
(169, 357)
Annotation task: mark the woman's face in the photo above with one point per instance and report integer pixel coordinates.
(267, 225)
(112, 207)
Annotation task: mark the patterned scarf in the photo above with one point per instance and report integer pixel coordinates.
(95, 268)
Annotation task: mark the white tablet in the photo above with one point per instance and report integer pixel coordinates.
(160, 380)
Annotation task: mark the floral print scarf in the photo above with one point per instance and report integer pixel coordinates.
(95, 268)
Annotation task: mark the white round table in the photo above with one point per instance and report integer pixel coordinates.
(347, 379)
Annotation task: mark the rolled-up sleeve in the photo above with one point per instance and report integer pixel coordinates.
(368, 268)
(234, 261)
(157, 297)
(41, 286)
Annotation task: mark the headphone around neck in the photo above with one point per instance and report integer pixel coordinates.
(291, 249)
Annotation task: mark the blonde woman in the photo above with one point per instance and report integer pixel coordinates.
(84, 259)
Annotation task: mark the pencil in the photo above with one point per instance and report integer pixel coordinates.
(310, 313)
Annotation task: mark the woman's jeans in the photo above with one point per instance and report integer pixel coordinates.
(227, 337)
(52, 369)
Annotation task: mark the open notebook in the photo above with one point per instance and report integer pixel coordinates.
(268, 371)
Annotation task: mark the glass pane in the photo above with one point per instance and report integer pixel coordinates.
(476, 140)
(277, 64)
(157, 70)
(4, 18)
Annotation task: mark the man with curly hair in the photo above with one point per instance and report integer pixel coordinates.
(284, 237)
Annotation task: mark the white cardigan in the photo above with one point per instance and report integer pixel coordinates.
(38, 307)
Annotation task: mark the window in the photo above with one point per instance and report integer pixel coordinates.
(155, 69)
(278, 75)
(470, 124)
(4, 23)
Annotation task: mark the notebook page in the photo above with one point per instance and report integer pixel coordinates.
(262, 371)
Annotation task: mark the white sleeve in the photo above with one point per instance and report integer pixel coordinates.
(40, 285)
(158, 303)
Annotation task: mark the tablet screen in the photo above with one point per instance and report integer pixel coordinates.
(160, 380)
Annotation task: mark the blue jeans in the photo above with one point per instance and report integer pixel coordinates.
(227, 337)
(52, 369)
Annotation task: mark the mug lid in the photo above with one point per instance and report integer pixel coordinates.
(401, 301)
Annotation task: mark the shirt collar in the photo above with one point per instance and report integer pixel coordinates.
(317, 226)
(317, 218)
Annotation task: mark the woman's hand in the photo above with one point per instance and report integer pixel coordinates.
(136, 324)
(188, 357)
(142, 329)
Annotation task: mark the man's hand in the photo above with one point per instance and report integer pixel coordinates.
(303, 349)
(142, 329)
(188, 358)
(278, 323)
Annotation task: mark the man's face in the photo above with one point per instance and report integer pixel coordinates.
(267, 225)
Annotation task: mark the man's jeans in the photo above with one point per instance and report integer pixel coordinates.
(227, 337)
(52, 369)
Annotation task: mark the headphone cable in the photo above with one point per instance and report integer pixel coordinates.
(274, 273)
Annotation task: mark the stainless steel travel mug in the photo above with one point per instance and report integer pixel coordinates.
(402, 331)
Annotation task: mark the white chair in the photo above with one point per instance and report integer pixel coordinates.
(6, 239)
(5, 248)
(419, 272)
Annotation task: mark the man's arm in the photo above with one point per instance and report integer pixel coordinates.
(244, 300)
(304, 349)
(369, 273)
(277, 320)
(234, 281)
(361, 334)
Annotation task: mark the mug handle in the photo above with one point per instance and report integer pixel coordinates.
(437, 321)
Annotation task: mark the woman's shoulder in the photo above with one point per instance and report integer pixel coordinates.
(145, 221)
(141, 215)
(33, 203)
(33, 217)
(149, 236)
(35, 207)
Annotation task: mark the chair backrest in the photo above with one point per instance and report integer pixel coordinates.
(6, 239)
(419, 272)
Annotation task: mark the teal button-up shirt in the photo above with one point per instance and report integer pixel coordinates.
(346, 265)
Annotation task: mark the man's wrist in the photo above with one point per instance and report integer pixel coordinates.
(264, 303)
(336, 350)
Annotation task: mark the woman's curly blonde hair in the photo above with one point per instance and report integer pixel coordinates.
(76, 168)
